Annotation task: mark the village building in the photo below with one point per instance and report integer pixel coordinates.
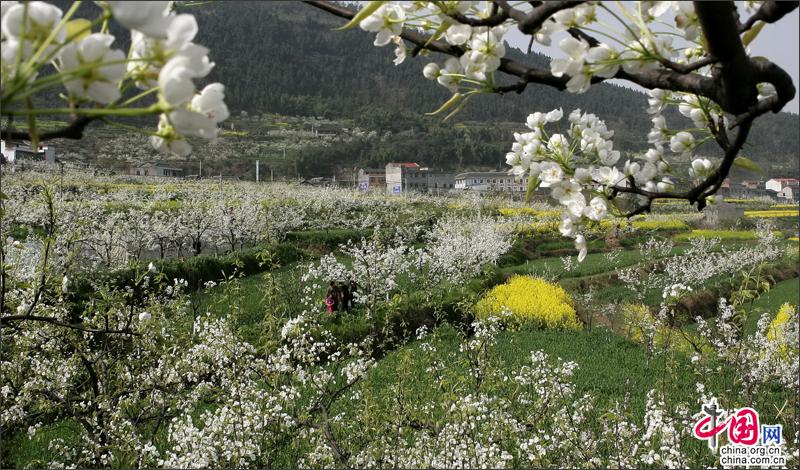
(405, 177)
(493, 181)
(783, 188)
(155, 169)
(19, 152)
(371, 179)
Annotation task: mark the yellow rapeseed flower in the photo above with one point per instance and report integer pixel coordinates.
(776, 333)
(721, 234)
(770, 214)
(531, 300)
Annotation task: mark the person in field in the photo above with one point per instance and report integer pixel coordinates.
(346, 298)
(352, 291)
(331, 298)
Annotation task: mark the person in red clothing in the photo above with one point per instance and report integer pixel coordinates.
(331, 298)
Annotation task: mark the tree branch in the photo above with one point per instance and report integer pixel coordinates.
(497, 18)
(53, 321)
(421, 40)
(735, 90)
(531, 22)
(769, 12)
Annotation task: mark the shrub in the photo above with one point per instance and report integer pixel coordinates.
(641, 326)
(530, 300)
(660, 225)
(543, 227)
(667, 225)
(330, 238)
(721, 234)
(197, 270)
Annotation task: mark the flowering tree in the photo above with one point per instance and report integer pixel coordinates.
(707, 73)
(45, 49)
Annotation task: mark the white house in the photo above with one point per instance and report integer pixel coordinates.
(499, 181)
(783, 188)
(23, 152)
(788, 193)
(155, 169)
(777, 184)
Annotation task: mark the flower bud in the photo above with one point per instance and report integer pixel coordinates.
(431, 71)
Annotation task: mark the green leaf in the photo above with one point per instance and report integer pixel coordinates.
(438, 33)
(80, 27)
(752, 33)
(533, 184)
(447, 105)
(458, 108)
(363, 13)
(747, 164)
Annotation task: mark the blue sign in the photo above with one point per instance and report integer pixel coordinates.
(396, 190)
(363, 186)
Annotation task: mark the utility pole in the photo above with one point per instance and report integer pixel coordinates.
(256, 171)
(270, 175)
(201, 169)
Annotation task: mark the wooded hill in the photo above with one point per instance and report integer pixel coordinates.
(283, 58)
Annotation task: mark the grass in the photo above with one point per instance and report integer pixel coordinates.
(34, 453)
(610, 367)
(246, 299)
(594, 263)
(771, 301)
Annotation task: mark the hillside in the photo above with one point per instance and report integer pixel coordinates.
(283, 58)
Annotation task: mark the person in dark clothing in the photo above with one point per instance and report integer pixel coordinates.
(339, 297)
(346, 299)
(352, 292)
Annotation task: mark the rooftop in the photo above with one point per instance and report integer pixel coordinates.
(483, 174)
(403, 164)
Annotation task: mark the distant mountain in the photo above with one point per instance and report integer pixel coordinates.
(283, 57)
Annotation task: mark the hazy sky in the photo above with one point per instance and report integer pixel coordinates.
(780, 42)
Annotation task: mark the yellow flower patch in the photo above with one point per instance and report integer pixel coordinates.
(721, 234)
(776, 331)
(530, 300)
(517, 211)
(769, 214)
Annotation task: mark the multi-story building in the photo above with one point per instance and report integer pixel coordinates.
(407, 177)
(496, 181)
